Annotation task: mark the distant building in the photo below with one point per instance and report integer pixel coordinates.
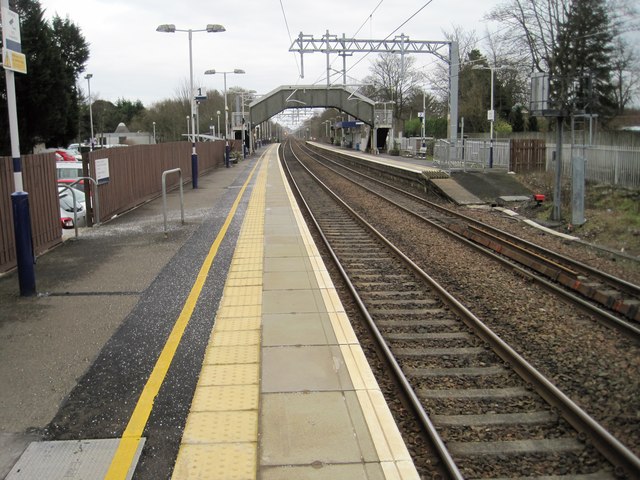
(122, 136)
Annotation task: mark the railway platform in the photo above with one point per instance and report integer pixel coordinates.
(226, 352)
(461, 188)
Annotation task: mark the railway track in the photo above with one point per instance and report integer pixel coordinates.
(488, 413)
(611, 300)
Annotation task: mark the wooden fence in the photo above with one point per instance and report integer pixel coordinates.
(38, 177)
(135, 173)
(527, 155)
(135, 176)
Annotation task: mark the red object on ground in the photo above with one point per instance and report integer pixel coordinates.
(539, 197)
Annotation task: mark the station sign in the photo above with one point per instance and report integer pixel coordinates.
(12, 56)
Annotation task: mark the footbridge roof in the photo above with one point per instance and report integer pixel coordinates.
(312, 96)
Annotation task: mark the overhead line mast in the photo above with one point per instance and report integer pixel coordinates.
(401, 44)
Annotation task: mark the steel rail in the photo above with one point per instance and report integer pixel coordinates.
(605, 317)
(623, 459)
(406, 388)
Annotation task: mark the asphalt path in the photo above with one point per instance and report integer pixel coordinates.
(149, 298)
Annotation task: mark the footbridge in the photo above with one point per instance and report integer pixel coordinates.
(312, 96)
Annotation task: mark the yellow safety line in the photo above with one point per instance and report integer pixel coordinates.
(132, 435)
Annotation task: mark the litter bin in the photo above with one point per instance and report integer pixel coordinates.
(358, 146)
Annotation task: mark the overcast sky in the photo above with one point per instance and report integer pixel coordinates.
(130, 60)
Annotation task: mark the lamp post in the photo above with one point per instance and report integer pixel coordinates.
(218, 113)
(226, 108)
(211, 28)
(491, 114)
(88, 76)
(154, 133)
(188, 128)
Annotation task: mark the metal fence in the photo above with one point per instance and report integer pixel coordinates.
(471, 154)
(604, 164)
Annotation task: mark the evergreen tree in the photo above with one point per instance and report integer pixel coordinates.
(47, 96)
(581, 63)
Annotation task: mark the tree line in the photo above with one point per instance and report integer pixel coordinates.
(581, 43)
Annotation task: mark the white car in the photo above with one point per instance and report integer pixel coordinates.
(67, 207)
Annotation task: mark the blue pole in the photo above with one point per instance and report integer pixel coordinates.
(20, 198)
(227, 151)
(24, 244)
(194, 168)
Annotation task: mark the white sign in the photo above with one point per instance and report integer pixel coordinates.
(11, 29)
(102, 171)
(12, 57)
(491, 115)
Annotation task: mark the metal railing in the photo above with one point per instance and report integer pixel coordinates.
(164, 196)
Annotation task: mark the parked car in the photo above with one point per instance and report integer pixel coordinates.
(67, 207)
(62, 155)
(69, 172)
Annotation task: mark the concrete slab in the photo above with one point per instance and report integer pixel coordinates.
(288, 281)
(304, 368)
(456, 192)
(297, 329)
(321, 471)
(309, 428)
(292, 301)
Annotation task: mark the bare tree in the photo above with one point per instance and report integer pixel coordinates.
(394, 79)
(532, 26)
(625, 74)
(438, 77)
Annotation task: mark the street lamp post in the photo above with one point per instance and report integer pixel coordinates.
(154, 133)
(218, 113)
(491, 114)
(211, 28)
(88, 76)
(226, 108)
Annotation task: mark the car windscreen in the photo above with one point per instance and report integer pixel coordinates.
(66, 202)
(66, 172)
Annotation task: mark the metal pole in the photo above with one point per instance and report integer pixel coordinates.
(493, 116)
(154, 132)
(19, 198)
(556, 212)
(88, 77)
(219, 132)
(194, 154)
(226, 107)
(244, 150)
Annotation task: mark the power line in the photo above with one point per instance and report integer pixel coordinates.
(290, 38)
(394, 31)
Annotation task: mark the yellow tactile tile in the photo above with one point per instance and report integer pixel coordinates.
(221, 427)
(225, 398)
(242, 311)
(232, 355)
(227, 461)
(227, 338)
(237, 374)
(236, 323)
(237, 296)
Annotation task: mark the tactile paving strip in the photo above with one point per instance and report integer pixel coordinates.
(220, 439)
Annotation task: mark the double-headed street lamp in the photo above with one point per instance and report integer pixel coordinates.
(491, 114)
(211, 28)
(226, 108)
(88, 76)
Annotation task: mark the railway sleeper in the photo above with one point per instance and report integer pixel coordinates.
(537, 446)
(489, 419)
